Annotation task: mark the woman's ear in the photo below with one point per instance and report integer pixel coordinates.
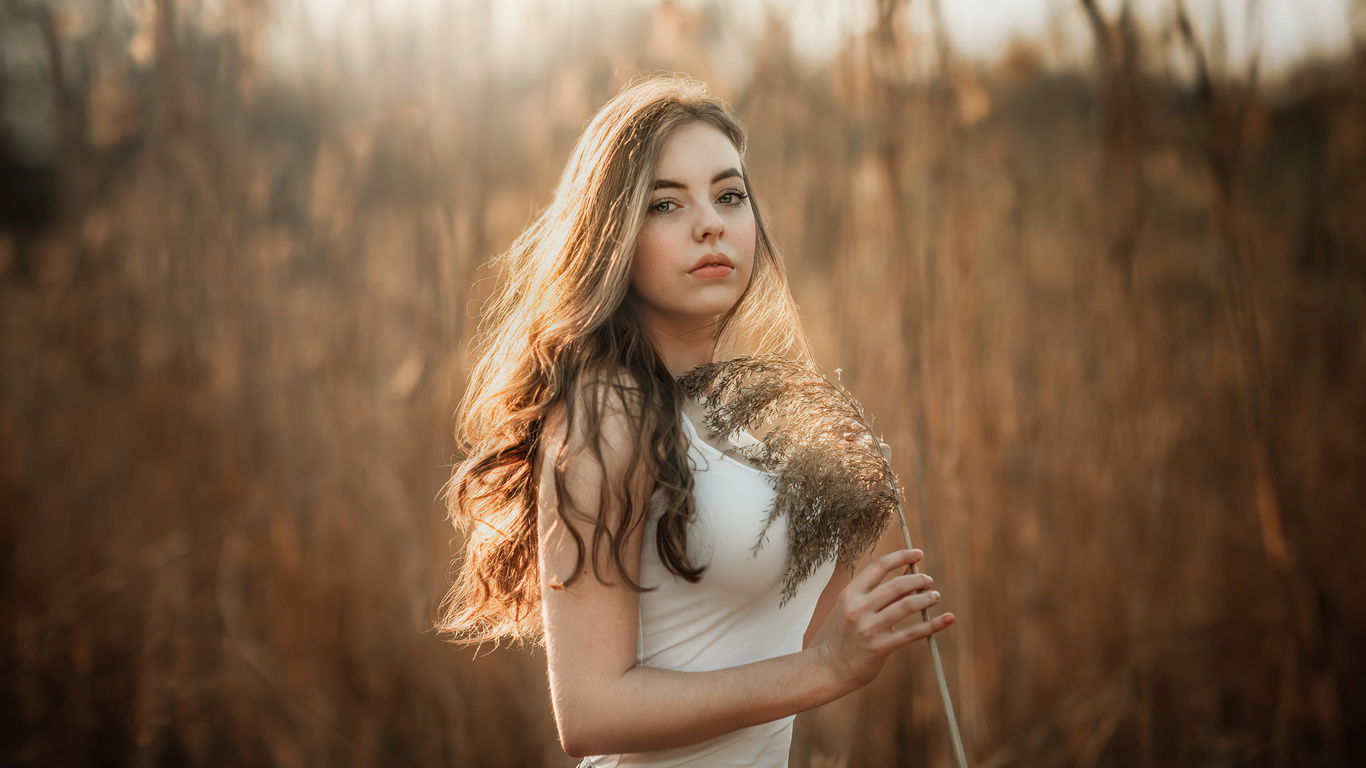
(886, 450)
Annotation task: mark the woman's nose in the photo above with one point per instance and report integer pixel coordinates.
(709, 223)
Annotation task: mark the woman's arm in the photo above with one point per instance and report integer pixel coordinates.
(605, 703)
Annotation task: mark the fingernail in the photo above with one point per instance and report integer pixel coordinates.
(935, 594)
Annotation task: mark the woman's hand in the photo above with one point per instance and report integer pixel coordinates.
(864, 631)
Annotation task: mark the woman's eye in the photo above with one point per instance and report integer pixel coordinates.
(663, 206)
(732, 197)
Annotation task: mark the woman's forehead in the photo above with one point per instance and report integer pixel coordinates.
(695, 151)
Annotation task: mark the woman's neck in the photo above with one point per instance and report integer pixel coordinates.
(683, 349)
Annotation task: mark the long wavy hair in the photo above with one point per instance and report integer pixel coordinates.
(561, 327)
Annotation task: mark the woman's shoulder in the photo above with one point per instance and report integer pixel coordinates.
(617, 393)
(605, 405)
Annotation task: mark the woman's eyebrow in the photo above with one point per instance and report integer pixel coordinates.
(726, 174)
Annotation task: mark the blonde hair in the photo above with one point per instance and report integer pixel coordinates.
(562, 327)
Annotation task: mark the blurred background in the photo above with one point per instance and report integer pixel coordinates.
(1096, 267)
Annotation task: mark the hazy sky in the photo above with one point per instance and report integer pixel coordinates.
(1289, 29)
(1283, 31)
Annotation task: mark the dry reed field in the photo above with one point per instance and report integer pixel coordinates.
(1111, 317)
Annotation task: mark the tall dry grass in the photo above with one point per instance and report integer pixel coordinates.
(1111, 323)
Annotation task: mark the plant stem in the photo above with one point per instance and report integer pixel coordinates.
(938, 664)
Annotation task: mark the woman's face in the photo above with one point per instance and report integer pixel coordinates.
(695, 252)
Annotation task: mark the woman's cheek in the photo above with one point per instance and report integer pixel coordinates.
(745, 234)
(650, 249)
(653, 262)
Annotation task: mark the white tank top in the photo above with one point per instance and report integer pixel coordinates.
(731, 616)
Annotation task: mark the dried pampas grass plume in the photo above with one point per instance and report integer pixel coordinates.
(834, 487)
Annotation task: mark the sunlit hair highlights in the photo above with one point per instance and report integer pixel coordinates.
(561, 333)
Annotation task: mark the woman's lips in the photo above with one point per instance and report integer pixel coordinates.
(712, 271)
(713, 265)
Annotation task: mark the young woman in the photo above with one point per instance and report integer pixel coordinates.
(600, 517)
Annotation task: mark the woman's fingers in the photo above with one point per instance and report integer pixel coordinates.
(869, 611)
(868, 578)
(894, 589)
(906, 606)
(899, 597)
(923, 629)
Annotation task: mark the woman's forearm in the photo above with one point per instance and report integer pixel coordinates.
(650, 709)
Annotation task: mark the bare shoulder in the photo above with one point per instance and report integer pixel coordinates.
(591, 481)
(589, 457)
(602, 411)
